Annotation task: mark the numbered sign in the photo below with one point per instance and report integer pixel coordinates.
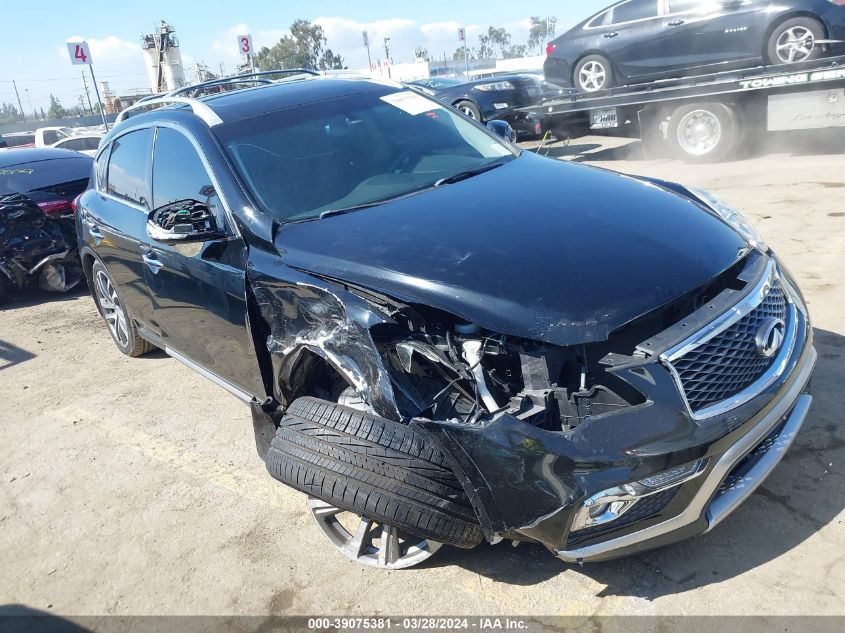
(79, 53)
(462, 34)
(245, 44)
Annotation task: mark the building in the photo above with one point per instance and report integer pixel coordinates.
(163, 59)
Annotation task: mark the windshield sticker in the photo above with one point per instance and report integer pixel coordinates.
(15, 172)
(411, 102)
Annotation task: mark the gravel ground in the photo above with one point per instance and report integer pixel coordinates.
(133, 486)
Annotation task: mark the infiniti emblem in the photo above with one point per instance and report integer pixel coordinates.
(770, 336)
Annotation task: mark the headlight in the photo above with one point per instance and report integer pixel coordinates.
(498, 85)
(733, 218)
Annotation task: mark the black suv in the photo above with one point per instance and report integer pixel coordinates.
(443, 338)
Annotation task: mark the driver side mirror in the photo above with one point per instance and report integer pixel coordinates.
(182, 222)
(503, 130)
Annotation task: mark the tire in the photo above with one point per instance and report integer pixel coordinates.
(780, 37)
(126, 335)
(470, 109)
(374, 467)
(594, 66)
(703, 132)
(4, 289)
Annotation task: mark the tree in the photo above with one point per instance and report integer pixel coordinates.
(463, 53)
(542, 31)
(303, 48)
(9, 113)
(56, 110)
(515, 51)
(493, 42)
(421, 52)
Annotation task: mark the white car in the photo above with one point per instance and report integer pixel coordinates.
(49, 136)
(84, 144)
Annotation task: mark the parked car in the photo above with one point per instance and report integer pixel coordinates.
(85, 144)
(490, 98)
(37, 236)
(641, 40)
(49, 136)
(17, 139)
(444, 338)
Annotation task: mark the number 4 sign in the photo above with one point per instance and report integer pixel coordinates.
(79, 53)
(245, 44)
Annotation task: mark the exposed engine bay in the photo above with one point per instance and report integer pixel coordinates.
(450, 370)
(36, 248)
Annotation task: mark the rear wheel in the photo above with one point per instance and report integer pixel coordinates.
(593, 73)
(118, 320)
(470, 109)
(703, 132)
(795, 41)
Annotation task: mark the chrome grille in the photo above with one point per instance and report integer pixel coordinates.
(728, 363)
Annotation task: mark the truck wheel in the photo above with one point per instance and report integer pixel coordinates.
(593, 73)
(383, 471)
(795, 41)
(703, 132)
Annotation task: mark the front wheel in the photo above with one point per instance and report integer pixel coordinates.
(795, 41)
(703, 133)
(118, 320)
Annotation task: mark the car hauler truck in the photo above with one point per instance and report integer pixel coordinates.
(705, 118)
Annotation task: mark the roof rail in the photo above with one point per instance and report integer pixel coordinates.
(198, 107)
(256, 77)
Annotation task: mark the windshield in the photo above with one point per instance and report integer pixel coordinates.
(354, 151)
(438, 83)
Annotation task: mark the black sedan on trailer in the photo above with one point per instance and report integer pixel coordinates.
(636, 41)
(444, 338)
(491, 98)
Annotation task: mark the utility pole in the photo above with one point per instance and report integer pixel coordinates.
(367, 45)
(17, 94)
(387, 55)
(29, 100)
(87, 94)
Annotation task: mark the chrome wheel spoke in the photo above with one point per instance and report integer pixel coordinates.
(376, 545)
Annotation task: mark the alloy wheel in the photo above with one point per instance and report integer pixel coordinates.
(699, 132)
(370, 542)
(113, 311)
(468, 111)
(795, 44)
(592, 76)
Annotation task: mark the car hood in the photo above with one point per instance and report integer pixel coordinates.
(536, 248)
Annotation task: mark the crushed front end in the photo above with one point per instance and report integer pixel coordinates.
(604, 449)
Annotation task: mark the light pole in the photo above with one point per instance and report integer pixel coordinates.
(387, 55)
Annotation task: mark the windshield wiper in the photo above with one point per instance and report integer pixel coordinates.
(469, 173)
(357, 207)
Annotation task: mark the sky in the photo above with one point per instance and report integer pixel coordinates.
(35, 34)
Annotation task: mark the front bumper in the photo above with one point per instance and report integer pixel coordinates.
(713, 502)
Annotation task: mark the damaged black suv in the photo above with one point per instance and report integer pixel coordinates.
(443, 338)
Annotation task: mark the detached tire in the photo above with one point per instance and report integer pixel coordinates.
(374, 467)
(703, 132)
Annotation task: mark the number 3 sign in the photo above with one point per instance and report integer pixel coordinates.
(245, 44)
(79, 53)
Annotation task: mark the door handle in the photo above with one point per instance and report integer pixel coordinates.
(94, 231)
(611, 35)
(152, 262)
(676, 23)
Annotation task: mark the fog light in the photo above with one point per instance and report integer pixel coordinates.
(609, 505)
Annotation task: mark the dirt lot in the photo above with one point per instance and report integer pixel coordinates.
(133, 486)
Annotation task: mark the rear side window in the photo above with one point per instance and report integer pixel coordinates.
(681, 6)
(91, 142)
(634, 10)
(128, 167)
(75, 144)
(179, 174)
(50, 137)
(68, 175)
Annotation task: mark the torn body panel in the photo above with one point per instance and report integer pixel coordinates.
(305, 314)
